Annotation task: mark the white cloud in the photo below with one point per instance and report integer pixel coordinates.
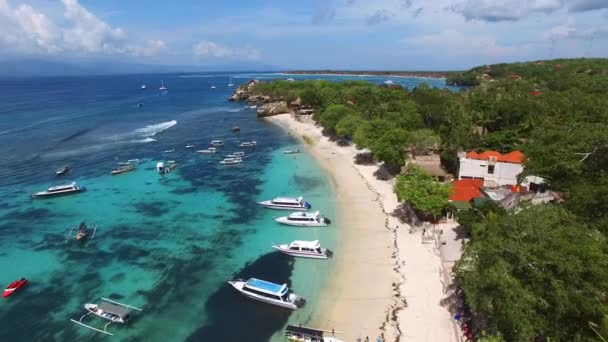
(456, 43)
(587, 5)
(546, 6)
(28, 31)
(206, 48)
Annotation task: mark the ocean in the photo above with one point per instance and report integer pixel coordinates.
(165, 243)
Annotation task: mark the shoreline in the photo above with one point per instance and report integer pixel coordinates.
(386, 281)
(421, 74)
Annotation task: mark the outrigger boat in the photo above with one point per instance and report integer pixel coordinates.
(123, 169)
(14, 287)
(59, 190)
(236, 155)
(83, 232)
(209, 150)
(217, 143)
(304, 249)
(63, 170)
(110, 310)
(305, 334)
(286, 203)
(252, 143)
(267, 292)
(301, 219)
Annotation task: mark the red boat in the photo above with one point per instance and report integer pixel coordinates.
(13, 287)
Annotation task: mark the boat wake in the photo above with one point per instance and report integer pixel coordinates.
(152, 130)
(143, 141)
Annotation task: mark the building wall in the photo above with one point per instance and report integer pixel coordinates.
(504, 173)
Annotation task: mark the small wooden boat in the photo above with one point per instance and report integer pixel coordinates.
(305, 334)
(252, 143)
(217, 143)
(206, 151)
(82, 232)
(123, 169)
(107, 309)
(231, 161)
(14, 287)
(63, 170)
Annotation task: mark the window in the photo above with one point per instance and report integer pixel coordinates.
(491, 169)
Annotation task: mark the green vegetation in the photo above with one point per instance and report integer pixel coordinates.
(536, 275)
(422, 191)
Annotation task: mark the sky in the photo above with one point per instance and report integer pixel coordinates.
(304, 34)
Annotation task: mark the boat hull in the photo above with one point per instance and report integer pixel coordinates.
(300, 254)
(57, 193)
(270, 205)
(239, 285)
(14, 287)
(92, 308)
(305, 224)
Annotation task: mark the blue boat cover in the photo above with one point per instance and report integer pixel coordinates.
(264, 285)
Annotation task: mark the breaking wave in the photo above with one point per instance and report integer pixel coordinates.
(152, 130)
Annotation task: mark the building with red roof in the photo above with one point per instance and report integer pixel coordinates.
(495, 168)
(465, 190)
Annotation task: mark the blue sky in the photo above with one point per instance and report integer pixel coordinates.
(307, 34)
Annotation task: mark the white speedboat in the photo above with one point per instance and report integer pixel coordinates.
(236, 155)
(231, 161)
(59, 190)
(209, 150)
(292, 151)
(304, 249)
(162, 86)
(160, 167)
(189, 146)
(217, 143)
(267, 292)
(169, 151)
(230, 84)
(63, 170)
(301, 219)
(286, 203)
(143, 87)
(248, 143)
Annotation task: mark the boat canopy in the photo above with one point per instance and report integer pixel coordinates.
(117, 310)
(299, 214)
(62, 187)
(305, 244)
(288, 200)
(304, 331)
(266, 286)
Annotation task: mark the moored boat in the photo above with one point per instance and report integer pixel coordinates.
(63, 170)
(107, 309)
(231, 161)
(301, 219)
(14, 287)
(217, 143)
(267, 292)
(236, 155)
(123, 169)
(59, 190)
(286, 203)
(248, 143)
(304, 249)
(189, 146)
(305, 334)
(292, 151)
(209, 150)
(236, 129)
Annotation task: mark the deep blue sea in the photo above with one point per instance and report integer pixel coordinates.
(165, 243)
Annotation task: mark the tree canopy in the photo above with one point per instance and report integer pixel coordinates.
(422, 191)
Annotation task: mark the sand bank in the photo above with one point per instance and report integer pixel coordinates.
(386, 281)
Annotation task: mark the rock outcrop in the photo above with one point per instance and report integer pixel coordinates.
(273, 108)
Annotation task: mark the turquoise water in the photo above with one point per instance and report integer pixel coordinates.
(167, 244)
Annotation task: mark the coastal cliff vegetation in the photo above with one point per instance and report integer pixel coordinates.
(538, 274)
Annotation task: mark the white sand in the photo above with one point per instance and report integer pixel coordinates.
(378, 267)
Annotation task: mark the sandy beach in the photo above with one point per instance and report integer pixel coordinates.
(386, 281)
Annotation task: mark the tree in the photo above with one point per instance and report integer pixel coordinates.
(310, 97)
(347, 126)
(332, 114)
(422, 141)
(389, 148)
(422, 191)
(537, 274)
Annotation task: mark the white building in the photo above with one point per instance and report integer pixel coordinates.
(494, 168)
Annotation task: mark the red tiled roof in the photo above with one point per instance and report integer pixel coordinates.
(515, 157)
(466, 189)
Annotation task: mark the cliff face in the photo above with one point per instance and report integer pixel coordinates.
(267, 106)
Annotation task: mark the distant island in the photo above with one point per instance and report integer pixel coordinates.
(433, 74)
